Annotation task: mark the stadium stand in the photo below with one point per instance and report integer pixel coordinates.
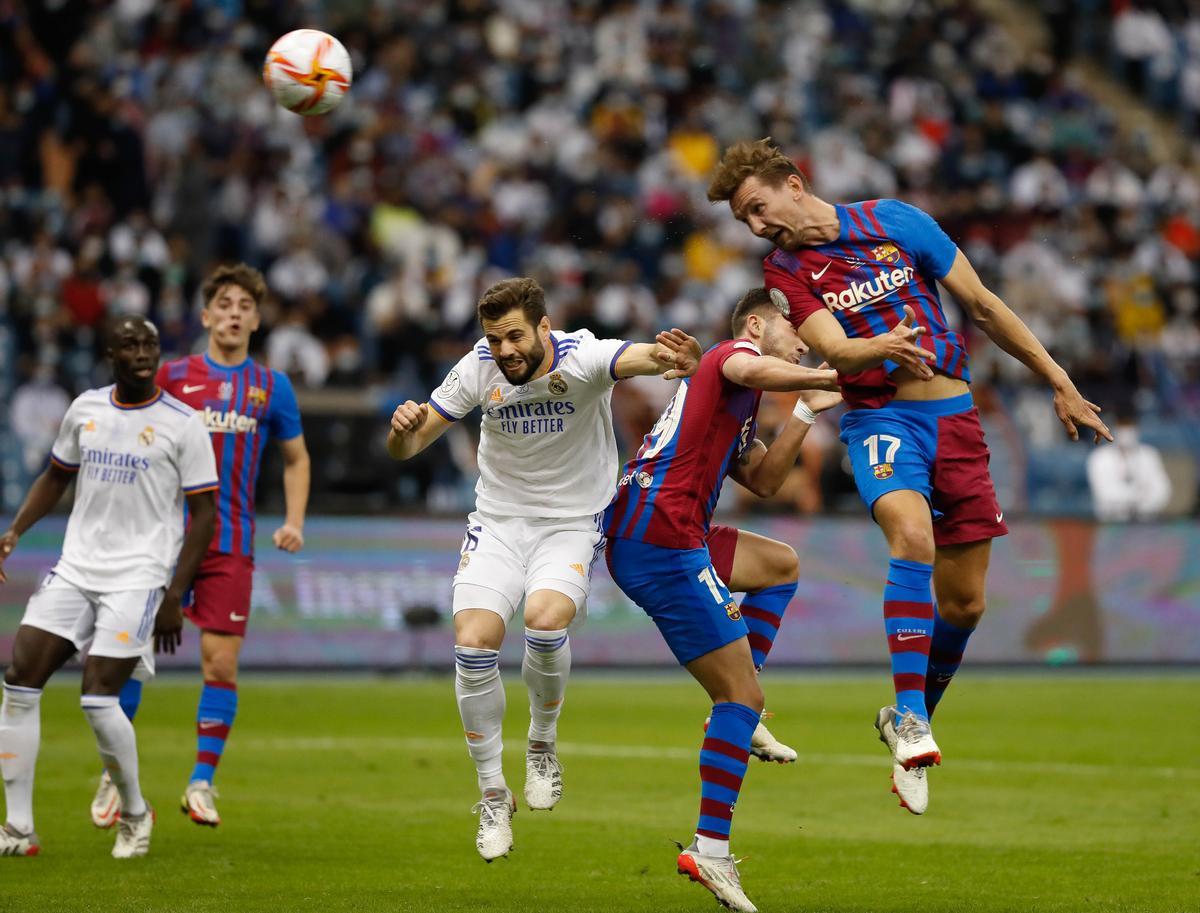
(572, 142)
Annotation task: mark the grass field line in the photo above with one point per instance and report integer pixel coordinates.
(647, 752)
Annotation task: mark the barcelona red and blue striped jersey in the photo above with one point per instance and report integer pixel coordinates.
(667, 493)
(888, 254)
(243, 406)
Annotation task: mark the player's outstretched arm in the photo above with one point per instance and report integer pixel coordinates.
(673, 354)
(901, 345)
(766, 372)
(46, 491)
(1010, 333)
(414, 427)
(764, 469)
(297, 476)
(168, 623)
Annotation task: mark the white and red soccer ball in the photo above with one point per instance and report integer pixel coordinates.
(308, 71)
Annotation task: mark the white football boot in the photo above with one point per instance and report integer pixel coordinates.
(494, 837)
(717, 873)
(915, 746)
(766, 747)
(543, 779)
(133, 835)
(910, 786)
(14, 843)
(763, 745)
(197, 803)
(106, 806)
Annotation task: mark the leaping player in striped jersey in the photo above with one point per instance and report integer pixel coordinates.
(666, 555)
(137, 455)
(547, 463)
(244, 404)
(849, 275)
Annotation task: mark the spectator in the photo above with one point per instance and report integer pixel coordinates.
(1127, 480)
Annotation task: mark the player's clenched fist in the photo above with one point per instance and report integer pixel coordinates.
(408, 417)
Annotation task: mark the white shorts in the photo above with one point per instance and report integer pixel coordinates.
(119, 625)
(504, 558)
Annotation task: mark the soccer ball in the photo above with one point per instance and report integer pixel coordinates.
(308, 71)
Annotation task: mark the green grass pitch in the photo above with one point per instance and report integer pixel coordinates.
(1059, 792)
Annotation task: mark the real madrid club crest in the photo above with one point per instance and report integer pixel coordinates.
(463, 562)
(147, 436)
(883, 470)
(225, 390)
(558, 386)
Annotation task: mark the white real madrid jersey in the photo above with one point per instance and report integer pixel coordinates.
(546, 448)
(135, 463)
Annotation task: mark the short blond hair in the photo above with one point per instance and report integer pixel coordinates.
(761, 159)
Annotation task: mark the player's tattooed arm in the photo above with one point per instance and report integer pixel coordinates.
(673, 354)
(414, 427)
(1009, 332)
(168, 623)
(46, 491)
(762, 469)
(766, 372)
(822, 332)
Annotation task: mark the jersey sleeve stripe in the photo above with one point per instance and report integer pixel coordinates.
(203, 486)
(442, 412)
(612, 365)
(63, 464)
(869, 212)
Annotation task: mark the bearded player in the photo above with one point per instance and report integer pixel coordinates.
(547, 463)
(848, 275)
(244, 405)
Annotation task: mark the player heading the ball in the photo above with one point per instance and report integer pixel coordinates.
(547, 461)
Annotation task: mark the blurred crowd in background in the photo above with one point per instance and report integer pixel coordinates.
(572, 141)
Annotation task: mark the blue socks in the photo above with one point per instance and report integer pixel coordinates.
(723, 759)
(763, 611)
(131, 698)
(945, 654)
(908, 618)
(214, 716)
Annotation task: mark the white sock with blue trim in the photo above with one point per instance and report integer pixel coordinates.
(20, 736)
(480, 695)
(545, 669)
(118, 748)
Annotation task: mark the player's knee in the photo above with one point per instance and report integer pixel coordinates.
(221, 667)
(911, 542)
(785, 565)
(963, 612)
(17, 676)
(549, 614)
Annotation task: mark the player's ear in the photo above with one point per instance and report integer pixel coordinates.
(205, 318)
(543, 328)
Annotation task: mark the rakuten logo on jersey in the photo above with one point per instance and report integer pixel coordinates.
(229, 421)
(860, 294)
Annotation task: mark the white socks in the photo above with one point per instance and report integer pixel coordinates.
(710, 846)
(545, 669)
(118, 748)
(481, 705)
(20, 734)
